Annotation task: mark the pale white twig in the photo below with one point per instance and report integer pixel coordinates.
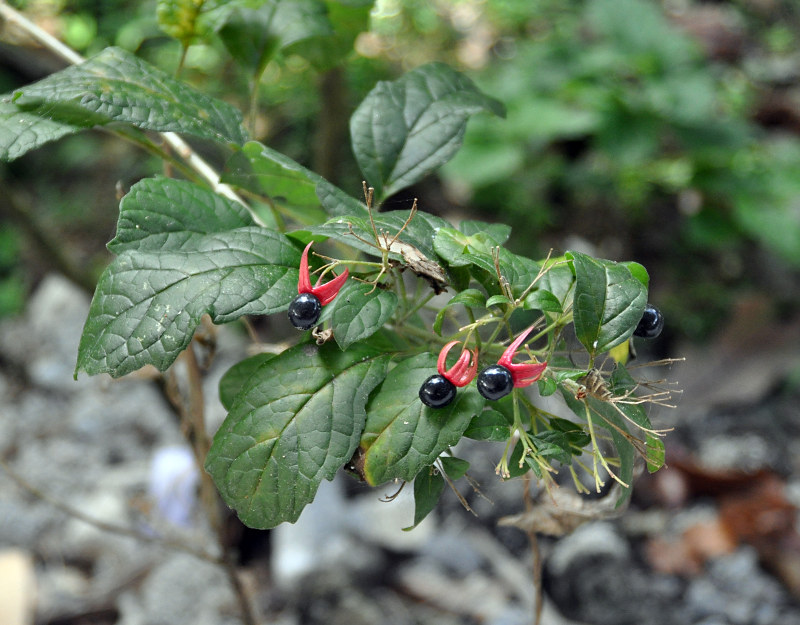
(62, 50)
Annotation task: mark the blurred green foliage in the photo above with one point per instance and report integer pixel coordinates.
(648, 134)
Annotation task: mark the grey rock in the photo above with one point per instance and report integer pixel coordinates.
(182, 590)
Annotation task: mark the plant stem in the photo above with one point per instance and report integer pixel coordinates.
(181, 60)
(536, 554)
(193, 412)
(182, 148)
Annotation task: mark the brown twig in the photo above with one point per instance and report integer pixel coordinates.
(192, 413)
(535, 553)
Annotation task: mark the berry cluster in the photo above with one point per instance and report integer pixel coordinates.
(439, 390)
(494, 382)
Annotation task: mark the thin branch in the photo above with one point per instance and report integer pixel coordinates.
(535, 553)
(111, 528)
(192, 413)
(66, 53)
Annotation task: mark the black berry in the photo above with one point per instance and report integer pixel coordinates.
(651, 323)
(495, 382)
(437, 391)
(304, 311)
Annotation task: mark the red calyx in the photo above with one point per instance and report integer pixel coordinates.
(325, 293)
(522, 374)
(461, 373)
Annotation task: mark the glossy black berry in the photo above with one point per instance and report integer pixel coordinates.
(437, 391)
(495, 382)
(304, 311)
(651, 323)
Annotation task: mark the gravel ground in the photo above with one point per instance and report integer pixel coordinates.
(708, 542)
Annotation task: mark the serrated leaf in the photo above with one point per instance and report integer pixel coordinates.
(168, 214)
(235, 379)
(428, 488)
(402, 436)
(264, 171)
(405, 129)
(608, 302)
(148, 303)
(21, 132)
(359, 311)
(297, 422)
(489, 425)
(116, 86)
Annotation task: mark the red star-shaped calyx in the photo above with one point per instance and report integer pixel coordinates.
(461, 373)
(522, 374)
(325, 293)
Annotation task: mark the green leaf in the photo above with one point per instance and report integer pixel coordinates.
(298, 420)
(149, 302)
(574, 432)
(496, 300)
(559, 281)
(517, 465)
(168, 214)
(499, 233)
(235, 378)
(116, 86)
(254, 35)
(21, 132)
(553, 444)
(471, 298)
(428, 487)
(656, 453)
(348, 18)
(489, 425)
(402, 436)
(609, 302)
(419, 232)
(539, 299)
(604, 415)
(405, 129)
(264, 171)
(455, 468)
(459, 249)
(452, 246)
(547, 386)
(359, 311)
(638, 271)
(190, 20)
